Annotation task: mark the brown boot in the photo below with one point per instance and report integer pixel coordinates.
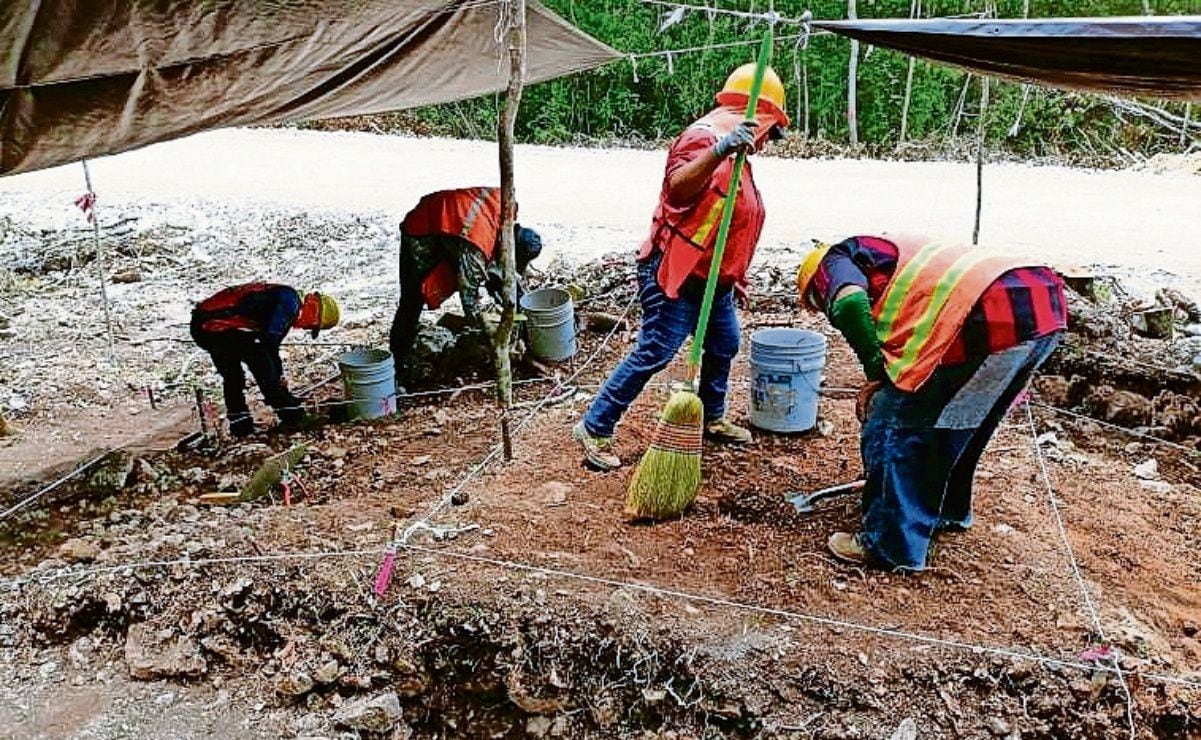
(597, 450)
(724, 431)
(847, 548)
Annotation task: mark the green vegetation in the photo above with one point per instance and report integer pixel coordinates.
(613, 103)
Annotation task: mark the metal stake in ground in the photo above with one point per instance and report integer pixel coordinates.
(101, 266)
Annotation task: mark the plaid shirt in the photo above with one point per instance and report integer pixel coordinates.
(1022, 305)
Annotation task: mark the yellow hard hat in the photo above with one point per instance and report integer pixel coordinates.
(808, 268)
(328, 313)
(739, 83)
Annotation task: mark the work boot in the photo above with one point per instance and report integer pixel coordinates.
(597, 450)
(241, 425)
(847, 548)
(726, 432)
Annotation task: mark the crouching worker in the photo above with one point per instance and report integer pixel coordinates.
(448, 244)
(674, 262)
(948, 336)
(244, 325)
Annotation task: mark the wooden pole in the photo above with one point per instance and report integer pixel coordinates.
(101, 262)
(915, 11)
(514, 21)
(981, 134)
(852, 81)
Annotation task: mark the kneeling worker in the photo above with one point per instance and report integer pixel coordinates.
(244, 325)
(948, 336)
(448, 244)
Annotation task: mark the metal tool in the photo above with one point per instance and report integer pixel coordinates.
(804, 502)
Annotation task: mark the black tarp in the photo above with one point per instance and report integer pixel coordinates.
(1151, 56)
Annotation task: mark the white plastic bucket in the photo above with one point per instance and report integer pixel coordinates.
(369, 381)
(549, 323)
(786, 372)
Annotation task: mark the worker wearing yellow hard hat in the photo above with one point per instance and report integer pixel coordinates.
(948, 335)
(244, 325)
(675, 258)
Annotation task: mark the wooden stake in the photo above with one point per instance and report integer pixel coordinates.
(981, 132)
(853, 82)
(915, 11)
(514, 19)
(101, 266)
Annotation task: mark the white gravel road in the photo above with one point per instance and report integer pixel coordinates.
(590, 201)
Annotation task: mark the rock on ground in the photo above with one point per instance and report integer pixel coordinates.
(151, 655)
(377, 714)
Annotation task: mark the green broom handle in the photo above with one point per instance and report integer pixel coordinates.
(727, 215)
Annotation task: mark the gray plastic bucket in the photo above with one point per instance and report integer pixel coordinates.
(369, 380)
(786, 371)
(549, 323)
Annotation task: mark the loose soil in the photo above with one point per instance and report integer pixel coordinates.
(483, 649)
(555, 616)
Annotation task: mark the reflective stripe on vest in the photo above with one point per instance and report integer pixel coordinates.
(931, 294)
(473, 211)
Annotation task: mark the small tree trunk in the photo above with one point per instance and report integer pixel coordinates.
(981, 131)
(503, 340)
(915, 11)
(852, 82)
(1188, 114)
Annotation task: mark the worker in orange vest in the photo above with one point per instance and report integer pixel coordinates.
(948, 335)
(244, 325)
(448, 245)
(673, 263)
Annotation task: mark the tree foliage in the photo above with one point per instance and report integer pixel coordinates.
(652, 99)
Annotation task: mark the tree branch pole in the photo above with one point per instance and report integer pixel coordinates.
(853, 81)
(981, 135)
(514, 19)
(101, 262)
(915, 11)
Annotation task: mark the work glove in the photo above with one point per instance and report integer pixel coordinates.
(741, 139)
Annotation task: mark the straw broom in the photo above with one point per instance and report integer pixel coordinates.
(667, 479)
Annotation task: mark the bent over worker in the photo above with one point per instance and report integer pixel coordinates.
(448, 245)
(674, 261)
(948, 336)
(244, 325)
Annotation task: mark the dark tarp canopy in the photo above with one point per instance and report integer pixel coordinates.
(1138, 56)
(86, 79)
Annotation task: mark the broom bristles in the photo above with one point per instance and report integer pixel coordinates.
(666, 481)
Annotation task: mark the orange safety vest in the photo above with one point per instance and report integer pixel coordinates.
(472, 214)
(932, 290)
(683, 239)
(219, 312)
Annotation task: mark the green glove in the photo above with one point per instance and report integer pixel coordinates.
(851, 314)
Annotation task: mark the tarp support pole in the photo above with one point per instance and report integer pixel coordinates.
(101, 262)
(981, 135)
(513, 23)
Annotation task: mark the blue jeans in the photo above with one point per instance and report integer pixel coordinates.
(666, 323)
(920, 450)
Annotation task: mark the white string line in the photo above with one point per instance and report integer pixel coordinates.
(799, 616)
(1075, 566)
(65, 573)
(30, 499)
(496, 450)
(419, 394)
(709, 47)
(771, 17)
(1117, 428)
